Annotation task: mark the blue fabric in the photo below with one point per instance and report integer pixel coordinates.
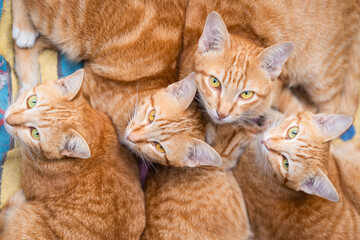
(67, 67)
(1, 8)
(5, 93)
(349, 134)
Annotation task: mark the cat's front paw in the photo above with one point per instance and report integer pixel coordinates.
(24, 38)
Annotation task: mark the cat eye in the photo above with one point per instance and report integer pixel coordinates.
(35, 134)
(247, 94)
(285, 163)
(32, 101)
(152, 116)
(293, 132)
(159, 147)
(214, 82)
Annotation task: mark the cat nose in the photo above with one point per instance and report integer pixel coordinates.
(265, 142)
(130, 139)
(221, 115)
(11, 120)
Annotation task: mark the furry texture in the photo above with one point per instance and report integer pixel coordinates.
(130, 47)
(299, 200)
(198, 203)
(324, 62)
(78, 182)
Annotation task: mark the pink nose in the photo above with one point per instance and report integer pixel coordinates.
(11, 120)
(221, 115)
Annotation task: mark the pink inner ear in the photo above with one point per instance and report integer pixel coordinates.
(200, 153)
(183, 91)
(71, 85)
(215, 35)
(332, 125)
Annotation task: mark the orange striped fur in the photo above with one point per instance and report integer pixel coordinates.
(314, 198)
(77, 181)
(130, 48)
(324, 62)
(198, 203)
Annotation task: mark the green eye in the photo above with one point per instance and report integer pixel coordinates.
(214, 82)
(285, 163)
(247, 94)
(32, 101)
(35, 134)
(293, 132)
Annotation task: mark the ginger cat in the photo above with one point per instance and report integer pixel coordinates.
(129, 47)
(166, 128)
(78, 182)
(190, 196)
(238, 60)
(196, 203)
(295, 187)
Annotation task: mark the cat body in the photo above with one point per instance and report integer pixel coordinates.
(314, 198)
(130, 48)
(244, 53)
(190, 195)
(77, 181)
(194, 203)
(202, 202)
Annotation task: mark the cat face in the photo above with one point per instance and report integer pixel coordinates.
(44, 119)
(298, 151)
(234, 76)
(166, 129)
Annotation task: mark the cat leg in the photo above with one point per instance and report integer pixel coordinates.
(23, 31)
(26, 64)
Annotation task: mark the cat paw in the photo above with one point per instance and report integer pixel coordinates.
(24, 39)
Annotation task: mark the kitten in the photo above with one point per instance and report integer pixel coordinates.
(78, 182)
(295, 187)
(238, 60)
(130, 48)
(165, 127)
(190, 195)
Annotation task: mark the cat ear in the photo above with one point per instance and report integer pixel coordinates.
(215, 36)
(183, 91)
(76, 146)
(332, 125)
(70, 85)
(321, 186)
(200, 153)
(273, 58)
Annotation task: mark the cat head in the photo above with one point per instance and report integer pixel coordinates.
(298, 151)
(45, 119)
(167, 129)
(235, 77)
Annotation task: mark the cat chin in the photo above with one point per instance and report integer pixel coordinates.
(222, 121)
